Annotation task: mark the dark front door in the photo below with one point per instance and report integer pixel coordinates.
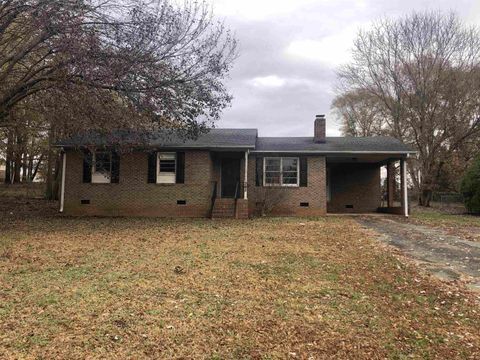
(230, 177)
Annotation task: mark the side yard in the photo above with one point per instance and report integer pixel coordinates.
(450, 218)
(256, 289)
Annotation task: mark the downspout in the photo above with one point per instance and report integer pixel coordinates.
(245, 176)
(62, 188)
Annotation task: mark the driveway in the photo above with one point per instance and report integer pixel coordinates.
(447, 256)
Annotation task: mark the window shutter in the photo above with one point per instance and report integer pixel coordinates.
(259, 171)
(115, 167)
(152, 167)
(303, 171)
(87, 166)
(180, 170)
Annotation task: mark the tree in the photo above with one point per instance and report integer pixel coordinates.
(423, 71)
(360, 113)
(470, 187)
(165, 61)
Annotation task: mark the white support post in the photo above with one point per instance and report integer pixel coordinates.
(62, 188)
(245, 176)
(403, 170)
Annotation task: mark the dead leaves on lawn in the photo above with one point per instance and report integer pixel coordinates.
(258, 289)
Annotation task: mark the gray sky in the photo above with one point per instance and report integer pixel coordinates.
(289, 50)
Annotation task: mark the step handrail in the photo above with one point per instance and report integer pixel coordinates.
(214, 197)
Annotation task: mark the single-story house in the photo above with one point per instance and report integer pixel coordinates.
(233, 173)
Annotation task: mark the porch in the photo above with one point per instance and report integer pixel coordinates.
(229, 188)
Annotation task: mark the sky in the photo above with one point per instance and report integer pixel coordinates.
(289, 53)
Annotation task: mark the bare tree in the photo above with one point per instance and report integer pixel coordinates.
(359, 112)
(424, 72)
(269, 198)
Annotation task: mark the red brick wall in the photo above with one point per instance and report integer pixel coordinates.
(289, 198)
(134, 196)
(354, 184)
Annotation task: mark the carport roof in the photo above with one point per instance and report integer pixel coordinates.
(333, 145)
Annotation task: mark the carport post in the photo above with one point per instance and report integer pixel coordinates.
(403, 171)
(245, 175)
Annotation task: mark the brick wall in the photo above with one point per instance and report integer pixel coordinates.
(351, 184)
(354, 184)
(134, 196)
(288, 199)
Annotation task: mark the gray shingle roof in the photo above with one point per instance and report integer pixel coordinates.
(243, 139)
(378, 144)
(215, 138)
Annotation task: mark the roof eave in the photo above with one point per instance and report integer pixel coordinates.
(333, 152)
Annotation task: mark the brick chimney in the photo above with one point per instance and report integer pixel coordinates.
(319, 129)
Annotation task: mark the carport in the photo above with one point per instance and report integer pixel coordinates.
(354, 183)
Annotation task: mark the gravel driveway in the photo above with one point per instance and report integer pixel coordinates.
(450, 257)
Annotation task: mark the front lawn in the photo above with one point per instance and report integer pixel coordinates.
(256, 289)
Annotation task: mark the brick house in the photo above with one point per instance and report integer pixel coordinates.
(232, 173)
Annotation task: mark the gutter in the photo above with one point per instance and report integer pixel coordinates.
(320, 152)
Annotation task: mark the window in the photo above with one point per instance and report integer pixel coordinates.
(102, 167)
(281, 171)
(167, 165)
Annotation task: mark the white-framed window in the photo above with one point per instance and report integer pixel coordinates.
(281, 171)
(102, 167)
(166, 168)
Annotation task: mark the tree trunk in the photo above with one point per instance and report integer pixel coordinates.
(30, 168)
(50, 194)
(37, 166)
(24, 166)
(425, 197)
(18, 162)
(56, 178)
(9, 159)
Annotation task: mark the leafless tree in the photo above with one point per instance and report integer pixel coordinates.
(424, 72)
(359, 112)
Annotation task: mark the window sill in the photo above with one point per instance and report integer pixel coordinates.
(281, 186)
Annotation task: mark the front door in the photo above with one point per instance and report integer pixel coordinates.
(230, 177)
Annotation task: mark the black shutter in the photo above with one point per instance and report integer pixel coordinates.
(259, 171)
(87, 166)
(180, 171)
(152, 167)
(303, 171)
(115, 167)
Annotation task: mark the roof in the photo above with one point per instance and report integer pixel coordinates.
(246, 139)
(333, 145)
(214, 139)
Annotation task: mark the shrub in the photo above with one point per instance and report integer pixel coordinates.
(470, 187)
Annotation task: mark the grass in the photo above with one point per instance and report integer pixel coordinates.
(257, 289)
(450, 219)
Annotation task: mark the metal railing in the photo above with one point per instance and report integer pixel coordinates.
(214, 197)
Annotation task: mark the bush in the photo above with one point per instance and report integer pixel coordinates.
(470, 187)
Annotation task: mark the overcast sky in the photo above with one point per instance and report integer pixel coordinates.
(289, 50)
